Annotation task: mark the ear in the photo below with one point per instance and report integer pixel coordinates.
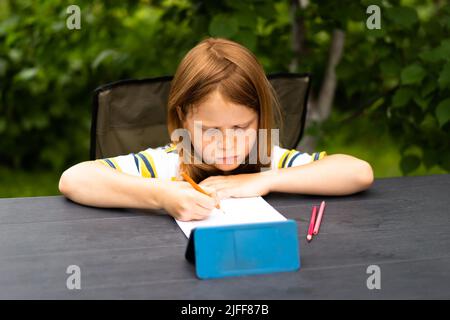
(180, 113)
(181, 116)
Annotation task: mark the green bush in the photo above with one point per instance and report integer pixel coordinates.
(399, 75)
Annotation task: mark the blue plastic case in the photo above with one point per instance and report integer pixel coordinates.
(236, 250)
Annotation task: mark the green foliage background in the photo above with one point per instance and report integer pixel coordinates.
(392, 102)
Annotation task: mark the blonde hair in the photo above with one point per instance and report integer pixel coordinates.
(233, 70)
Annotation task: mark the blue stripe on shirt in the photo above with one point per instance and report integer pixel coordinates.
(110, 163)
(147, 164)
(293, 158)
(136, 162)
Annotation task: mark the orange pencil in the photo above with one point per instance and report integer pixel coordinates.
(196, 186)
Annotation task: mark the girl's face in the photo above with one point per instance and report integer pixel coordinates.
(227, 131)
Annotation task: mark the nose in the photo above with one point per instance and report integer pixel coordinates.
(226, 144)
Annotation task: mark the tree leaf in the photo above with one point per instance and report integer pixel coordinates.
(246, 38)
(444, 76)
(389, 67)
(223, 26)
(3, 67)
(246, 18)
(27, 74)
(442, 52)
(443, 112)
(409, 163)
(428, 88)
(103, 56)
(403, 17)
(412, 74)
(402, 96)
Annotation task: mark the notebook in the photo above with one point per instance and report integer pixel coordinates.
(236, 211)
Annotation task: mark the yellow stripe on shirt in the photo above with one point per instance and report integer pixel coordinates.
(171, 148)
(114, 161)
(285, 154)
(291, 153)
(318, 155)
(109, 162)
(144, 172)
(150, 158)
(322, 155)
(147, 165)
(102, 162)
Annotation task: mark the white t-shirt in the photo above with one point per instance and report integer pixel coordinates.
(163, 162)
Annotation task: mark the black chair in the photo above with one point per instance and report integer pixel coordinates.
(130, 115)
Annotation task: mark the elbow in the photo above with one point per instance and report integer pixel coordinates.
(365, 175)
(65, 183)
(71, 179)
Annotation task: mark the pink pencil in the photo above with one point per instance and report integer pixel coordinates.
(319, 218)
(311, 224)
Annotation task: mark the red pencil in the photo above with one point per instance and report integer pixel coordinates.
(311, 224)
(319, 218)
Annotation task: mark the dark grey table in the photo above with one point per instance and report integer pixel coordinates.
(402, 225)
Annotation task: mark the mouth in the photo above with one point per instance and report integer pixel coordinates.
(232, 159)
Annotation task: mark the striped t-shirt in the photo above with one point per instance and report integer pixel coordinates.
(163, 162)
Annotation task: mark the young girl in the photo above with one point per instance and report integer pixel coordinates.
(220, 99)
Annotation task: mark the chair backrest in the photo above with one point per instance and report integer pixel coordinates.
(130, 115)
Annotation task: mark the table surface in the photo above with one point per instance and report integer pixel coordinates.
(401, 225)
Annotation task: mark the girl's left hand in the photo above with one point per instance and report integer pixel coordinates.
(240, 185)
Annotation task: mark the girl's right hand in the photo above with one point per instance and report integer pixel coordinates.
(184, 203)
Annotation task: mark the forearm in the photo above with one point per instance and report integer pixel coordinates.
(94, 184)
(333, 175)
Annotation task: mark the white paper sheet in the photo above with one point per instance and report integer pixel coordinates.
(236, 211)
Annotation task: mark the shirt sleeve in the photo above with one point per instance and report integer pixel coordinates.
(285, 158)
(158, 162)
